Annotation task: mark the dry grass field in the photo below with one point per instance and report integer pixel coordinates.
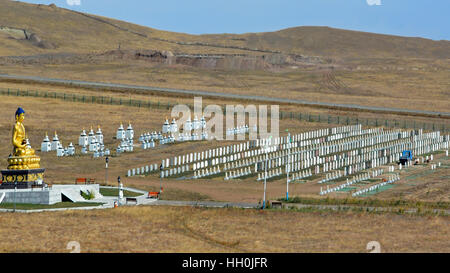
(351, 67)
(390, 88)
(68, 119)
(318, 64)
(182, 229)
(69, 31)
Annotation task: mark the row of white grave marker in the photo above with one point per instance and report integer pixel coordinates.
(167, 139)
(187, 127)
(355, 179)
(270, 173)
(143, 170)
(433, 166)
(391, 179)
(232, 150)
(331, 176)
(244, 129)
(300, 175)
(354, 150)
(206, 172)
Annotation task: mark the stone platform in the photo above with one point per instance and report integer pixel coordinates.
(50, 195)
(20, 185)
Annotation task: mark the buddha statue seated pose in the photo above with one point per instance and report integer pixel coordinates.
(23, 157)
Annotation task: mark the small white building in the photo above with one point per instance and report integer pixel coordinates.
(195, 124)
(27, 143)
(93, 145)
(59, 150)
(120, 134)
(130, 132)
(46, 146)
(151, 144)
(83, 139)
(166, 127)
(187, 126)
(144, 145)
(91, 135)
(173, 127)
(55, 142)
(99, 135)
(71, 149)
(203, 123)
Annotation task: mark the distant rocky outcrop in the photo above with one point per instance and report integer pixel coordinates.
(35, 40)
(23, 34)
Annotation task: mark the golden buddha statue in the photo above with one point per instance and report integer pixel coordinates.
(23, 157)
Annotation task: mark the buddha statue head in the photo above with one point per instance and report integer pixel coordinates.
(20, 114)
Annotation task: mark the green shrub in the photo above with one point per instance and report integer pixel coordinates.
(88, 196)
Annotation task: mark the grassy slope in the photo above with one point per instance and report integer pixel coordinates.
(324, 41)
(179, 229)
(74, 32)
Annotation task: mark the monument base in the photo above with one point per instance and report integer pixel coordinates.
(23, 178)
(26, 162)
(21, 185)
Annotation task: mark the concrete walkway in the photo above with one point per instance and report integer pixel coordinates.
(209, 204)
(107, 202)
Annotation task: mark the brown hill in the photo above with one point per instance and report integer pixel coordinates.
(27, 29)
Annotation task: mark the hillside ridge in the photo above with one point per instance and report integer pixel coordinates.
(63, 30)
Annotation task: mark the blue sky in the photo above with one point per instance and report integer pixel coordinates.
(418, 18)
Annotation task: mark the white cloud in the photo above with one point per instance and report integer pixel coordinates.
(374, 2)
(73, 2)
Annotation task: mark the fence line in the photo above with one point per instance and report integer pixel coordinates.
(323, 118)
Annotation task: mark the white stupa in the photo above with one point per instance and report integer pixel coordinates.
(46, 146)
(120, 132)
(187, 125)
(71, 149)
(195, 124)
(203, 123)
(59, 150)
(93, 147)
(91, 135)
(83, 139)
(166, 127)
(173, 127)
(144, 145)
(130, 132)
(27, 143)
(99, 135)
(55, 142)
